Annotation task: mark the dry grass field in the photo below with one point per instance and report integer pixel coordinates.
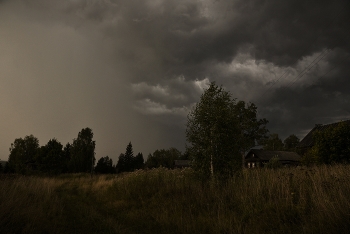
(290, 200)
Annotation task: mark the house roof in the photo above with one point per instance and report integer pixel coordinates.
(308, 140)
(3, 163)
(182, 162)
(267, 155)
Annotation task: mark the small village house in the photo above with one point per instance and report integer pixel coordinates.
(308, 142)
(3, 163)
(182, 163)
(259, 157)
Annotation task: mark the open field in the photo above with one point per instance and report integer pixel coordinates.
(310, 200)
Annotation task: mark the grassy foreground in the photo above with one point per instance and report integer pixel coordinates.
(313, 200)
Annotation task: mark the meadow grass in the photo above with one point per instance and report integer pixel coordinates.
(288, 200)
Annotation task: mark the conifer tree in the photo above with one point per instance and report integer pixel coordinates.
(129, 158)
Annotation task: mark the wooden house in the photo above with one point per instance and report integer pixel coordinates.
(308, 142)
(3, 163)
(259, 157)
(182, 163)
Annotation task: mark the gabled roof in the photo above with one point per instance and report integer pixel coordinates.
(267, 155)
(182, 163)
(3, 163)
(308, 140)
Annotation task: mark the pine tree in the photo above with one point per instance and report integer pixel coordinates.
(129, 158)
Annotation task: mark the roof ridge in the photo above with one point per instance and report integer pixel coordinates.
(348, 120)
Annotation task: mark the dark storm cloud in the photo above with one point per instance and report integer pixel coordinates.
(132, 70)
(189, 35)
(279, 31)
(320, 97)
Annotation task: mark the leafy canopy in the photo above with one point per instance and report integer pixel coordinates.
(22, 154)
(104, 166)
(82, 152)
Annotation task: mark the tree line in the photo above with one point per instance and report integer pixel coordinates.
(127, 162)
(219, 130)
(28, 157)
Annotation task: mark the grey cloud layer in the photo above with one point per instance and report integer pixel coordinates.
(142, 64)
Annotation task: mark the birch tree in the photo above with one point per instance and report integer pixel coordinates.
(219, 130)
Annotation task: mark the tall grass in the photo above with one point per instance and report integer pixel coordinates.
(310, 200)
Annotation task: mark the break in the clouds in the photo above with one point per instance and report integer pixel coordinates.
(132, 70)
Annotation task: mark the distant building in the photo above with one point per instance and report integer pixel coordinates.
(308, 142)
(182, 163)
(259, 157)
(2, 166)
(3, 163)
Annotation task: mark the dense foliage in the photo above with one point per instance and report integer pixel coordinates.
(139, 161)
(22, 154)
(82, 152)
(27, 157)
(104, 166)
(51, 158)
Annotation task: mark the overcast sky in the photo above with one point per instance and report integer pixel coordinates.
(131, 70)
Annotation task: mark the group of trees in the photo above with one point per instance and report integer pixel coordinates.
(127, 162)
(219, 131)
(274, 143)
(105, 166)
(26, 156)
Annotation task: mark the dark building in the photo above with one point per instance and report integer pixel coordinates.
(259, 157)
(3, 163)
(182, 163)
(308, 142)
